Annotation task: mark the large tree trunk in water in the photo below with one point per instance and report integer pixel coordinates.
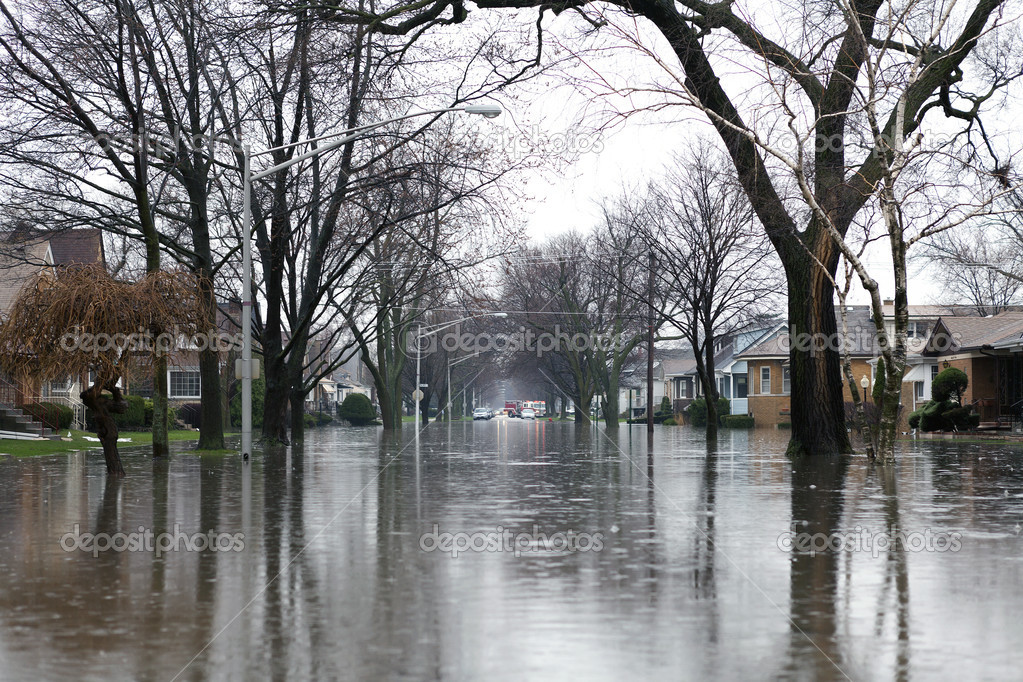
(211, 423)
(161, 439)
(710, 389)
(106, 429)
(816, 400)
(610, 409)
(275, 406)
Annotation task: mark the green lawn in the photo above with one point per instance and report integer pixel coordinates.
(28, 448)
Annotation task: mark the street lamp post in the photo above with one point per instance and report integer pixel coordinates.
(485, 110)
(430, 331)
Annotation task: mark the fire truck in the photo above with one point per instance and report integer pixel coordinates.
(514, 407)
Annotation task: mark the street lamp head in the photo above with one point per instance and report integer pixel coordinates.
(484, 110)
(865, 382)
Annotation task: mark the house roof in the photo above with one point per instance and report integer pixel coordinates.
(19, 265)
(76, 247)
(676, 361)
(862, 338)
(953, 334)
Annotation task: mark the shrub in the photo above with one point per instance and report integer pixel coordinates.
(962, 418)
(670, 421)
(50, 414)
(357, 410)
(949, 385)
(914, 418)
(135, 416)
(879, 382)
(737, 421)
(258, 396)
(309, 419)
(322, 418)
(930, 415)
(697, 411)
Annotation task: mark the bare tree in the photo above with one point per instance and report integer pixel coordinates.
(714, 267)
(35, 343)
(809, 82)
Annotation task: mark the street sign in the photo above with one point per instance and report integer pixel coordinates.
(417, 395)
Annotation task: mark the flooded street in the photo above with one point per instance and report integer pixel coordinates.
(516, 550)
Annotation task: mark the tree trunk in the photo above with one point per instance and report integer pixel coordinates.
(106, 429)
(211, 423)
(710, 387)
(611, 406)
(161, 439)
(816, 400)
(275, 405)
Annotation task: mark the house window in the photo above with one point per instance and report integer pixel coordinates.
(765, 380)
(934, 371)
(740, 386)
(184, 384)
(918, 390)
(786, 381)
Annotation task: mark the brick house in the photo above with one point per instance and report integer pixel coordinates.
(990, 351)
(769, 380)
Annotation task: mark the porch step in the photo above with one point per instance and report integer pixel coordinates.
(13, 420)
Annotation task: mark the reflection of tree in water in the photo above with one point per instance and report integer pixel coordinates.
(704, 539)
(817, 503)
(896, 570)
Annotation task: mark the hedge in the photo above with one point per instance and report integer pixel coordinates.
(737, 421)
(697, 411)
(135, 416)
(50, 414)
(357, 410)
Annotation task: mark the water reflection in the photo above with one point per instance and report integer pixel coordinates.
(689, 582)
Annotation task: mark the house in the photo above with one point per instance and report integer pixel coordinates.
(632, 386)
(25, 253)
(990, 351)
(681, 385)
(730, 372)
(769, 379)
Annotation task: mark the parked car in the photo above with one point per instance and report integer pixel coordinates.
(528, 413)
(481, 413)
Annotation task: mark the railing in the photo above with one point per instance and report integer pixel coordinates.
(76, 405)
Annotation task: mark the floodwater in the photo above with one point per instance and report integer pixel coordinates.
(512, 550)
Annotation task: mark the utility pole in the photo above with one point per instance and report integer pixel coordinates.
(650, 346)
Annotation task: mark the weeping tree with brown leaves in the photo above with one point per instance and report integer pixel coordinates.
(71, 322)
